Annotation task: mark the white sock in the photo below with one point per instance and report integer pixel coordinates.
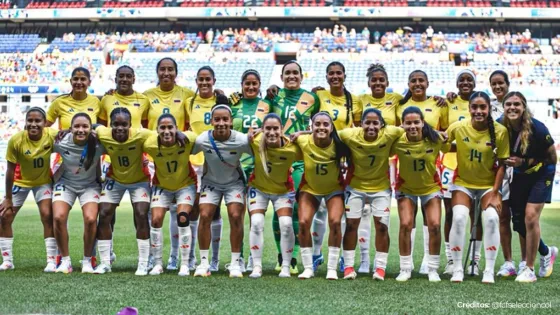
(235, 258)
(66, 258)
(406, 262)
(334, 255)
(318, 229)
(477, 248)
(6, 246)
(412, 239)
(86, 259)
(50, 244)
(185, 244)
(433, 262)
(256, 238)
(143, 250)
(204, 257)
(381, 260)
(194, 234)
(216, 228)
(457, 235)
(173, 232)
(156, 238)
(364, 236)
(448, 251)
(426, 237)
(491, 222)
(287, 239)
(349, 257)
(342, 228)
(104, 247)
(307, 257)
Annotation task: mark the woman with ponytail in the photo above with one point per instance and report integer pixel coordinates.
(79, 179)
(533, 159)
(482, 147)
(271, 182)
(418, 182)
(386, 102)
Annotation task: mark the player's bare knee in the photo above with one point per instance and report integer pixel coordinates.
(434, 229)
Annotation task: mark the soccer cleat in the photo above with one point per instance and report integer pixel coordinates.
(547, 262)
(472, 269)
(278, 263)
(341, 264)
(350, 273)
(142, 269)
(433, 276)
(156, 271)
(113, 257)
(214, 265)
(7, 265)
(507, 269)
(93, 262)
(488, 277)
(192, 264)
(242, 265)
(86, 266)
(526, 276)
(307, 274)
(51, 267)
(64, 267)
(423, 267)
(449, 268)
(317, 260)
(184, 271)
(522, 265)
(285, 273)
(172, 263)
(102, 269)
(364, 267)
(332, 274)
(203, 270)
(404, 276)
(458, 275)
(234, 271)
(249, 264)
(58, 260)
(257, 272)
(150, 262)
(379, 274)
(293, 267)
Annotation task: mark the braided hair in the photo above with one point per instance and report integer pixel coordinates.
(347, 95)
(91, 143)
(408, 94)
(120, 111)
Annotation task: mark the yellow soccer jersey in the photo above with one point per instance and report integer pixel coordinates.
(199, 115)
(336, 107)
(387, 105)
(173, 169)
(457, 111)
(65, 107)
(279, 161)
(33, 157)
(162, 102)
(475, 160)
(370, 160)
(321, 174)
(138, 105)
(417, 173)
(126, 157)
(436, 116)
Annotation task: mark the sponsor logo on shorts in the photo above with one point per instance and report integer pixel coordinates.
(96, 196)
(48, 192)
(116, 103)
(387, 209)
(188, 198)
(144, 195)
(156, 101)
(155, 199)
(232, 152)
(197, 107)
(238, 196)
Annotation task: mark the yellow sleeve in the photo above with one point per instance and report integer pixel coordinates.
(52, 132)
(357, 109)
(301, 140)
(11, 152)
(191, 136)
(187, 108)
(189, 93)
(52, 112)
(299, 153)
(451, 132)
(444, 118)
(145, 106)
(502, 143)
(398, 97)
(344, 134)
(102, 111)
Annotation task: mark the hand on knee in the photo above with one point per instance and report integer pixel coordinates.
(257, 223)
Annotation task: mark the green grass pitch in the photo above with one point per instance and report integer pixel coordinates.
(28, 290)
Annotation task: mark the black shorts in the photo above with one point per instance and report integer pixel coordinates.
(533, 188)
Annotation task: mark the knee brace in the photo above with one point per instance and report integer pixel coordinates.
(184, 215)
(257, 222)
(519, 225)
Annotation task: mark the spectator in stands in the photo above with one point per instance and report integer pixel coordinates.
(365, 33)
(209, 36)
(430, 32)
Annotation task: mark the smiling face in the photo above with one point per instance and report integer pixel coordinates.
(121, 126)
(465, 84)
(205, 82)
(322, 127)
(167, 72)
(125, 79)
(34, 124)
(514, 108)
(167, 131)
(80, 82)
(272, 131)
(499, 86)
(81, 128)
(371, 124)
(413, 125)
(418, 84)
(251, 86)
(291, 76)
(335, 76)
(221, 121)
(479, 110)
(378, 83)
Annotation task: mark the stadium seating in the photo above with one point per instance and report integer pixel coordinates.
(376, 3)
(134, 4)
(56, 5)
(24, 43)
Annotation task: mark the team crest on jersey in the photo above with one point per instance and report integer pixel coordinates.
(466, 139)
(132, 148)
(116, 103)
(27, 152)
(156, 101)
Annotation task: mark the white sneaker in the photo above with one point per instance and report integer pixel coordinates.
(404, 275)
(51, 267)
(86, 266)
(7, 265)
(184, 271)
(332, 274)
(102, 269)
(522, 265)
(285, 272)
(307, 274)
(424, 267)
(472, 271)
(157, 270)
(234, 271)
(142, 269)
(257, 272)
(214, 265)
(113, 257)
(250, 264)
(242, 265)
(547, 262)
(364, 267)
(449, 268)
(526, 276)
(192, 264)
(507, 269)
(488, 277)
(458, 275)
(433, 275)
(172, 263)
(202, 270)
(65, 267)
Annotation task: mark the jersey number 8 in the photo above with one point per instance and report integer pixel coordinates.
(207, 117)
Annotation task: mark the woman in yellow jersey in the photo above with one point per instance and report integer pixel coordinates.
(174, 181)
(368, 185)
(323, 155)
(418, 179)
(66, 106)
(482, 146)
(271, 182)
(458, 109)
(124, 146)
(378, 82)
(28, 156)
